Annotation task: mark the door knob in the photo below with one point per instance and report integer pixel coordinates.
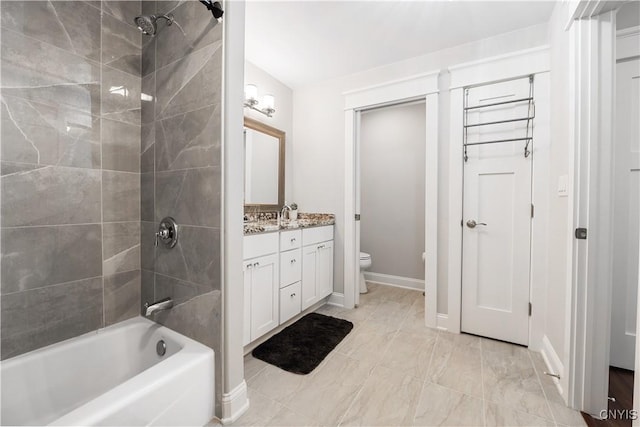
(472, 223)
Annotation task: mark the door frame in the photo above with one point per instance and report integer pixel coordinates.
(522, 63)
(413, 88)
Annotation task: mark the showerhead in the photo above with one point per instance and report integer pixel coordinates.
(147, 23)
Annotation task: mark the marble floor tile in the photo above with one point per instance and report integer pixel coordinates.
(277, 384)
(440, 406)
(288, 418)
(391, 314)
(261, 410)
(388, 398)
(331, 391)
(410, 353)
(456, 363)
(252, 366)
(368, 343)
(498, 415)
(566, 416)
(516, 393)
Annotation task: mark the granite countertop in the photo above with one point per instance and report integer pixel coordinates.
(266, 222)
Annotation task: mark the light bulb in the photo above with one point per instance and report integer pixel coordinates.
(250, 92)
(268, 102)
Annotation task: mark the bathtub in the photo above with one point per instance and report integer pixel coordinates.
(111, 377)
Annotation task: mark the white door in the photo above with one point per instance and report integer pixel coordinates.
(309, 276)
(626, 215)
(497, 198)
(264, 295)
(246, 335)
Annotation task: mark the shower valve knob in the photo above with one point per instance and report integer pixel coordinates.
(167, 232)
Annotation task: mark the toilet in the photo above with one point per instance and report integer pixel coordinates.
(365, 263)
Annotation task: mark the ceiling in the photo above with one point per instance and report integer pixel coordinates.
(301, 42)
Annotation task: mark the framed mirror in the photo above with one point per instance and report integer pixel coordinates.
(263, 166)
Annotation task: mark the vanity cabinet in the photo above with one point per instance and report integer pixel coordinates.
(317, 265)
(285, 273)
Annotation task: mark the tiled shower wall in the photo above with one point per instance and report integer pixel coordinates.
(180, 169)
(70, 163)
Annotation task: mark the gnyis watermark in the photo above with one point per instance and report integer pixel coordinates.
(619, 414)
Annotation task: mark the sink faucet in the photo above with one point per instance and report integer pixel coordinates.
(163, 304)
(287, 207)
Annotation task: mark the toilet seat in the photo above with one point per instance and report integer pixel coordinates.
(364, 255)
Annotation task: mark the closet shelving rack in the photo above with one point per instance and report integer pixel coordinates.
(531, 114)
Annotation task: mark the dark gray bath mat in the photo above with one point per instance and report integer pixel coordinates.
(301, 347)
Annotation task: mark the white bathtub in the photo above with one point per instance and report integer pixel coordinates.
(111, 377)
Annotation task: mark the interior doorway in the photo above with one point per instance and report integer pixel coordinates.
(392, 195)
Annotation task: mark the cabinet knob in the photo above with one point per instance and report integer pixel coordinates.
(293, 295)
(293, 261)
(249, 266)
(256, 264)
(293, 239)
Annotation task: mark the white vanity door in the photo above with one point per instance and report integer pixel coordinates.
(264, 295)
(309, 276)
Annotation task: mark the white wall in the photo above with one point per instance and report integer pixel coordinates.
(559, 228)
(318, 117)
(282, 119)
(392, 171)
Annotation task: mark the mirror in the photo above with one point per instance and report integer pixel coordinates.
(263, 166)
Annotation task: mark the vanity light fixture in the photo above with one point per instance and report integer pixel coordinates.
(267, 107)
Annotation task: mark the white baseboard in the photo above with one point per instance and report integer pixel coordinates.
(336, 299)
(397, 281)
(234, 404)
(553, 362)
(442, 321)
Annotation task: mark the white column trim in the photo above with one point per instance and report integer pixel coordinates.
(234, 404)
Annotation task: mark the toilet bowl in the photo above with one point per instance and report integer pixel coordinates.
(365, 263)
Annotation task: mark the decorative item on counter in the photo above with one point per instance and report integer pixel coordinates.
(293, 213)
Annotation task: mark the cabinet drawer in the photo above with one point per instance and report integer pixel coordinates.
(290, 302)
(311, 236)
(290, 267)
(290, 239)
(259, 245)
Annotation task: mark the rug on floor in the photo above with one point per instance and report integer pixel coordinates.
(299, 348)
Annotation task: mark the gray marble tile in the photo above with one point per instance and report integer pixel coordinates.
(120, 247)
(49, 135)
(146, 288)
(147, 188)
(147, 160)
(191, 83)
(196, 257)
(190, 196)
(148, 99)
(120, 196)
(440, 406)
(121, 296)
(279, 385)
(120, 96)
(388, 398)
(121, 44)
(565, 415)
(367, 343)
(34, 257)
(39, 72)
(42, 197)
(124, 10)
(148, 43)
(189, 140)
(147, 139)
(9, 168)
(498, 415)
(178, 290)
(522, 394)
(120, 146)
(198, 318)
(69, 25)
(54, 314)
(196, 29)
(147, 248)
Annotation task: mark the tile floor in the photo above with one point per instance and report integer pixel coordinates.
(392, 371)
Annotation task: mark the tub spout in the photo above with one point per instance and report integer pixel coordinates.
(163, 304)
